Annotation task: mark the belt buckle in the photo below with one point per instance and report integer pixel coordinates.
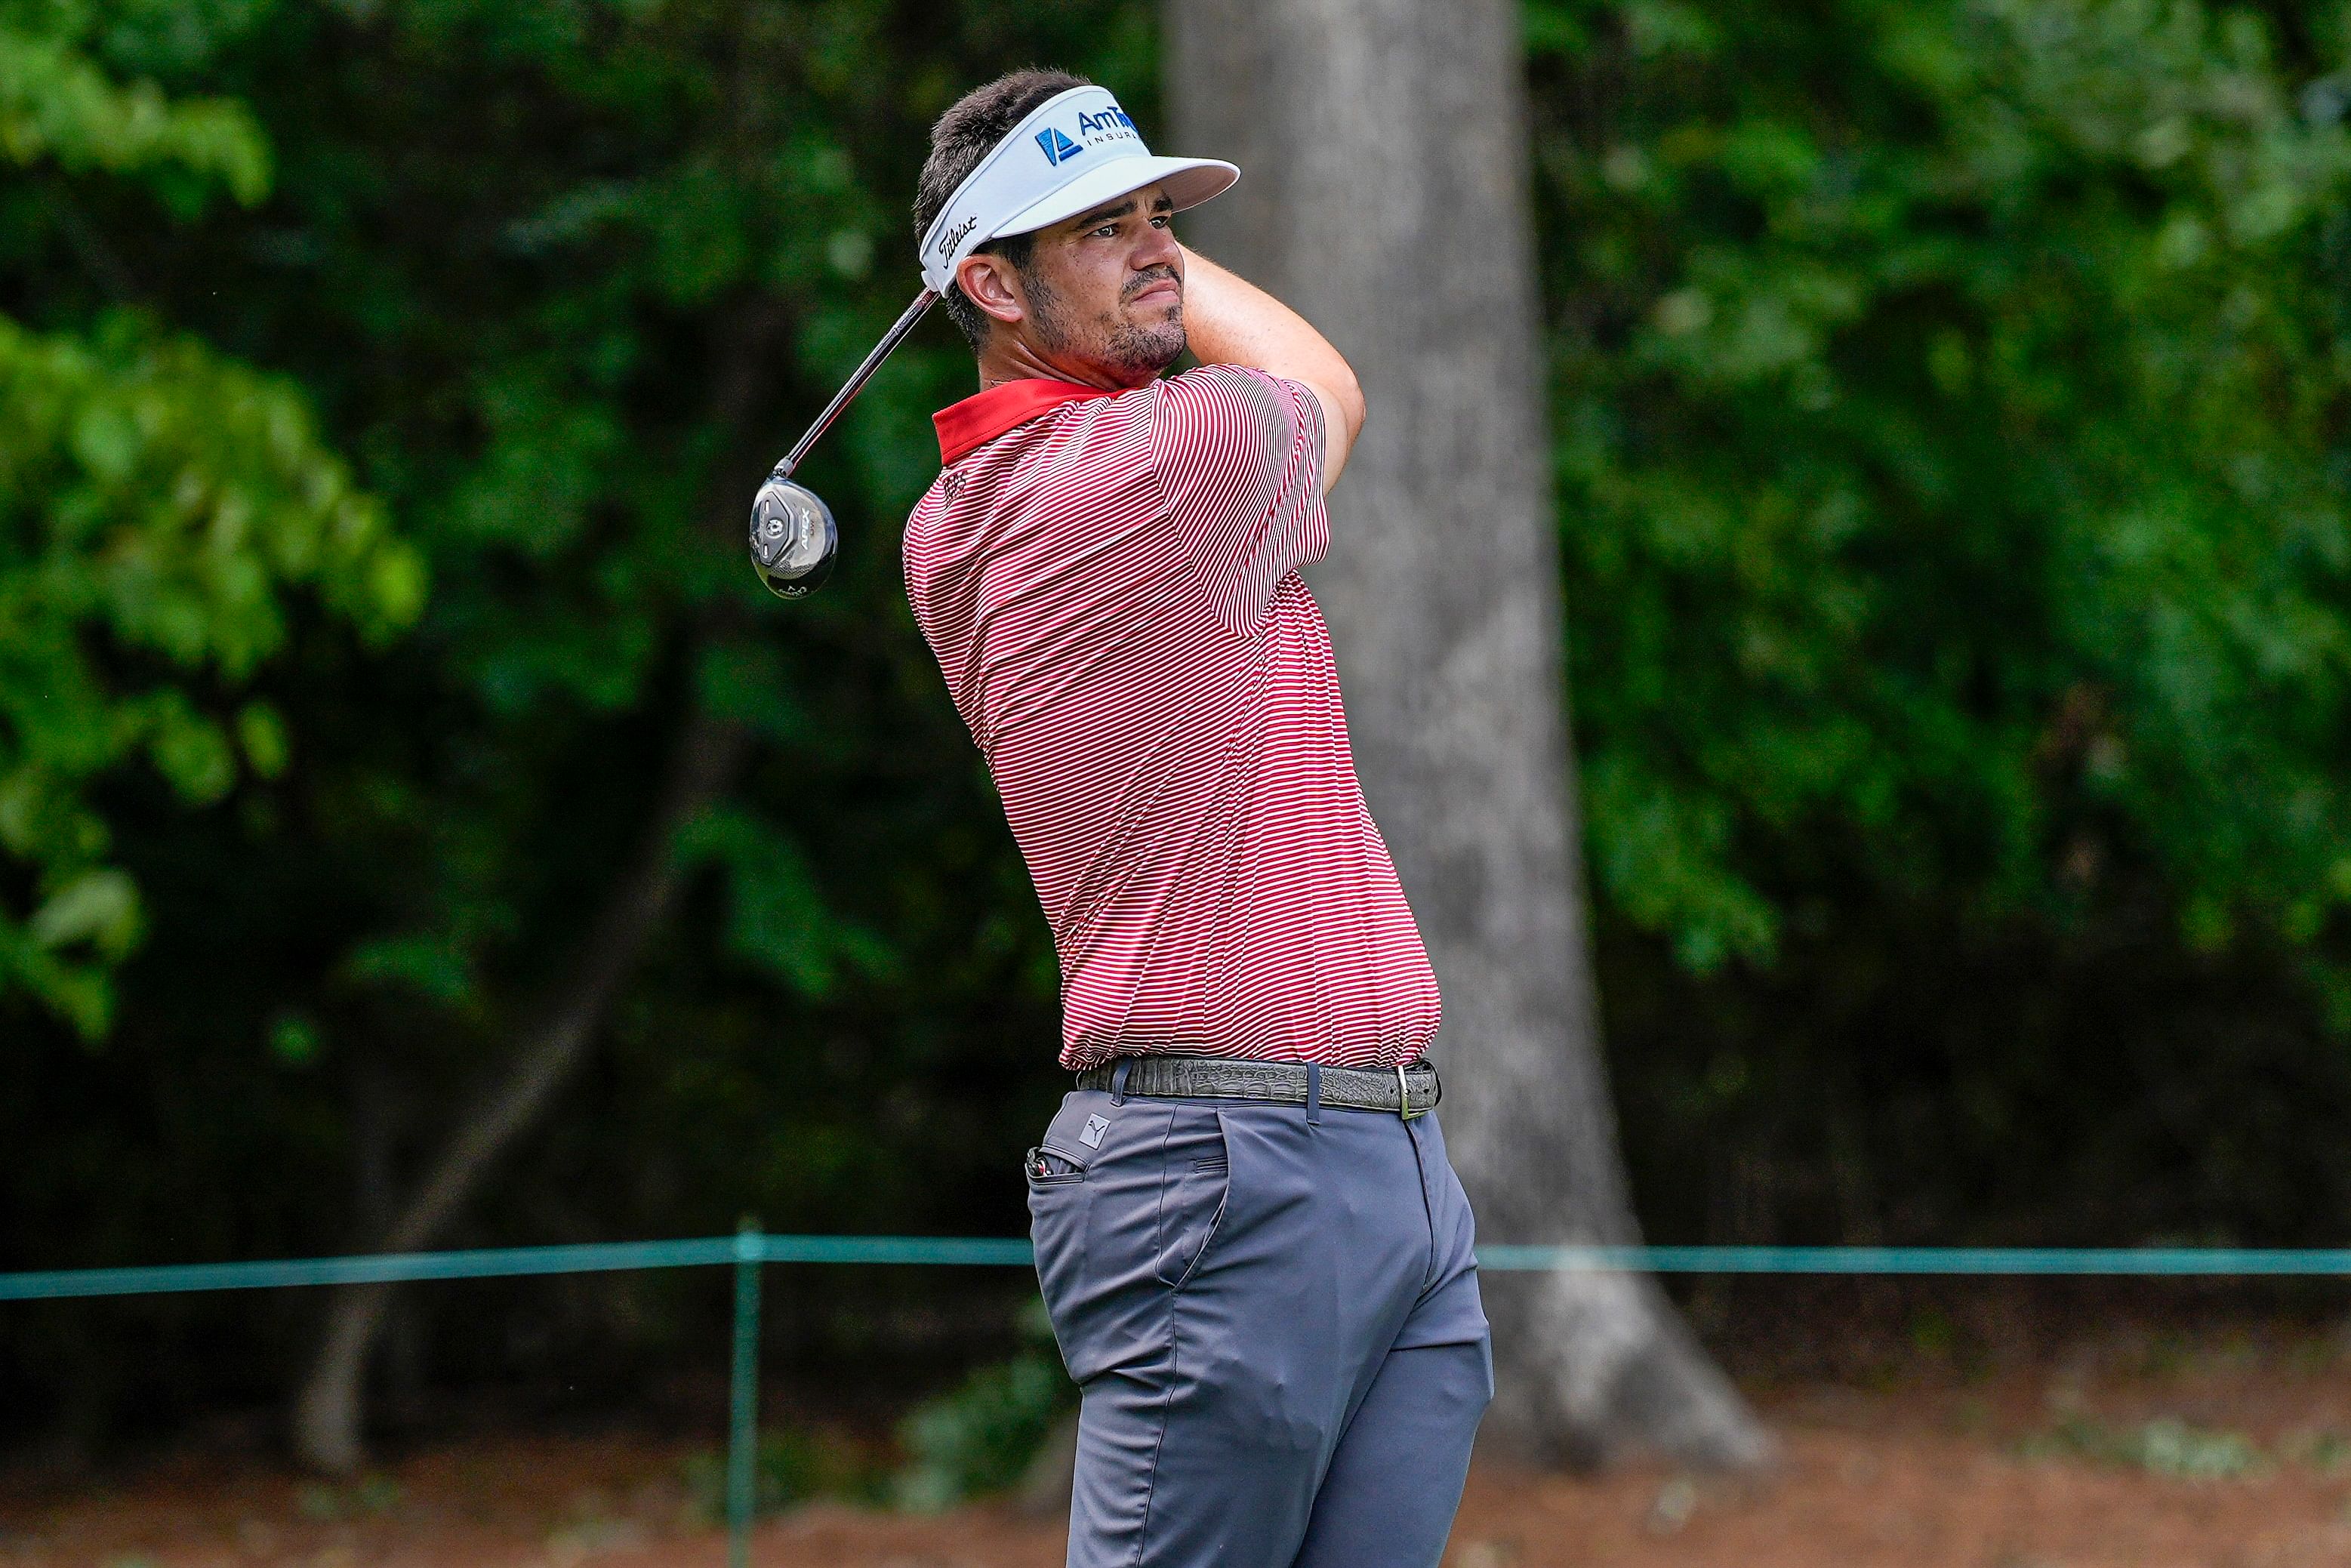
(1404, 1098)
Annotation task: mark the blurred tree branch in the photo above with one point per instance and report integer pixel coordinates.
(329, 1409)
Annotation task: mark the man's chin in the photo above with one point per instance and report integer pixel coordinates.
(1147, 350)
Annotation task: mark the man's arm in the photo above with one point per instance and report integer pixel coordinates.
(1232, 322)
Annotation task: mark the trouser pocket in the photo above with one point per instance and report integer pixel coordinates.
(1195, 1182)
(1046, 1167)
(1123, 1202)
(1058, 1200)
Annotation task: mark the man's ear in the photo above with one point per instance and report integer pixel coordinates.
(991, 283)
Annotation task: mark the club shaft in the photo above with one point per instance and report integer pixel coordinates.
(857, 379)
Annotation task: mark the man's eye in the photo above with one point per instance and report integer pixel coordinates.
(1108, 231)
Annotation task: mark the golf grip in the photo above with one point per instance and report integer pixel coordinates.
(857, 378)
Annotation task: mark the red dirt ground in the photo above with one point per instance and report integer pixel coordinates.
(2248, 1465)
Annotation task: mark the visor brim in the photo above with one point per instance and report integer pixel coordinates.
(1189, 181)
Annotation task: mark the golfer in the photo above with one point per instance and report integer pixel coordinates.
(1255, 1255)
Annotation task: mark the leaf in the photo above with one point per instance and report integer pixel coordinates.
(56, 104)
(429, 964)
(172, 505)
(261, 734)
(100, 907)
(778, 920)
(294, 1039)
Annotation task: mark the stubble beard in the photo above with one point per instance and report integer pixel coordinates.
(1147, 350)
(1127, 347)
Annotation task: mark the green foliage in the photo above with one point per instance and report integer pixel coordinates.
(777, 920)
(324, 1503)
(982, 1436)
(157, 502)
(2164, 1446)
(792, 1467)
(561, 281)
(1950, 410)
(1951, 463)
(2325, 1449)
(55, 103)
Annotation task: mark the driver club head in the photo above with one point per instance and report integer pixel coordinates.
(792, 534)
(793, 538)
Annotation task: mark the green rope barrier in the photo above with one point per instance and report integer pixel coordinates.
(370, 1269)
(68, 1284)
(2173, 1261)
(749, 1248)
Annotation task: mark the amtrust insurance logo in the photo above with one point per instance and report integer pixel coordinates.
(1058, 147)
(1096, 127)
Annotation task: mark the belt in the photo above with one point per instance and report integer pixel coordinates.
(1412, 1090)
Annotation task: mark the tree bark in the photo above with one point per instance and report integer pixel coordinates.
(329, 1411)
(1383, 145)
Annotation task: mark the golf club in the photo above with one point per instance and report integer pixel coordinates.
(793, 536)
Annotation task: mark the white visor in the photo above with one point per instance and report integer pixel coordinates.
(1076, 150)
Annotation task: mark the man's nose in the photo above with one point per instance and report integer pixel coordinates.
(1158, 249)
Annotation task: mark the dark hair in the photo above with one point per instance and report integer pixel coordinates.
(975, 122)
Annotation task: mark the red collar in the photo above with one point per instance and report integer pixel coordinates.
(964, 427)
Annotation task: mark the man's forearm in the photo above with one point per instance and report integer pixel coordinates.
(1230, 321)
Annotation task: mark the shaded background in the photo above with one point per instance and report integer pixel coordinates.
(1949, 443)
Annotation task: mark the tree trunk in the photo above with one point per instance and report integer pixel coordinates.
(327, 1414)
(1384, 195)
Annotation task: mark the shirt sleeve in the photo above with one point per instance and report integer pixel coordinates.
(1238, 454)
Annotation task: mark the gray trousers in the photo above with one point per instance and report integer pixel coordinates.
(1274, 1319)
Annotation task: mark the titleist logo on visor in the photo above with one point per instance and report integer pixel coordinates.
(954, 237)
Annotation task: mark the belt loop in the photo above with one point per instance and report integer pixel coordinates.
(1118, 1079)
(1313, 1093)
(1404, 1094)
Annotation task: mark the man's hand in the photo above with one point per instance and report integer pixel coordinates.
(1228, 321)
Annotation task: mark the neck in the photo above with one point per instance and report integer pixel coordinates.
(1011, 358)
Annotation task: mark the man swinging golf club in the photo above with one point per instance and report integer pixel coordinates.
(1255, 1255)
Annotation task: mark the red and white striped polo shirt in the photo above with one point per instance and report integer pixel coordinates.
(1110, 585)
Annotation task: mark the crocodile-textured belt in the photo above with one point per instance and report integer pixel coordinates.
(1411, 1091)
